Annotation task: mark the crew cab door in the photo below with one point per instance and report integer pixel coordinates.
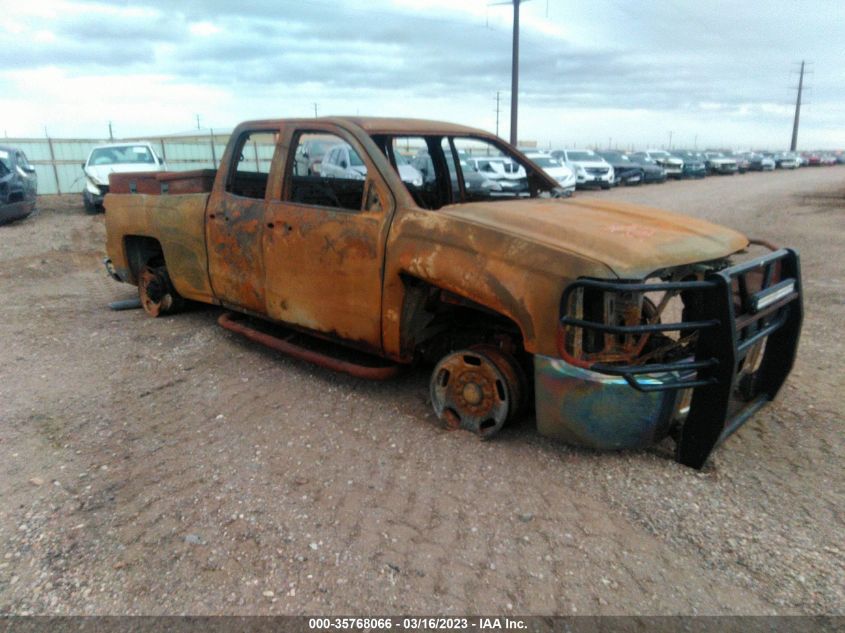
(324, 242)
(235, 220)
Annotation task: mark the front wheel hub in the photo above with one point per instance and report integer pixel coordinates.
(477, 389)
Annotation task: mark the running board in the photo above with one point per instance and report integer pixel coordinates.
(229, 321)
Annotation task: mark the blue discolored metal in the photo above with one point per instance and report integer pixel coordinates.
(590, 409)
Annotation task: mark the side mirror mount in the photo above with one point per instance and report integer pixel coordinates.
(343, 164)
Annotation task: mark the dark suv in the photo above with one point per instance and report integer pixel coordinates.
(18, 185)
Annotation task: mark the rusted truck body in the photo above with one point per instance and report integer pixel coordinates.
(621, 324)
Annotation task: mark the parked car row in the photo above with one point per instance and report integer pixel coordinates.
(605, 169)
(483, 175)
(815, 159)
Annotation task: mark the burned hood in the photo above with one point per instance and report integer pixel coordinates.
(632, 240)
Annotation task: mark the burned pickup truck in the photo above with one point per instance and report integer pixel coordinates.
(621, 324)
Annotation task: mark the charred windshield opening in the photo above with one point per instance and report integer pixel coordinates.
(438, 170)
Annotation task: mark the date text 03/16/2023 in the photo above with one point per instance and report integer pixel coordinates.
(418, 623)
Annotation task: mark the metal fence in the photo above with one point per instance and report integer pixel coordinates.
(58, 161)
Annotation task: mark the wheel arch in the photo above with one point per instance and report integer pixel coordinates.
(430, 312)
(141, 250)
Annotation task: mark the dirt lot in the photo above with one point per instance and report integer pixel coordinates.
(166, 466)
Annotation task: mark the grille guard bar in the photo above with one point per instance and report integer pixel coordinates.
(725, 336)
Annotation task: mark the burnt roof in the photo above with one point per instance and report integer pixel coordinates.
(379, 125)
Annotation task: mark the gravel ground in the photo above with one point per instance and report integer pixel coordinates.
(166, 466)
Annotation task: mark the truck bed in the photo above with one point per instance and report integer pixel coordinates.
(163, 182)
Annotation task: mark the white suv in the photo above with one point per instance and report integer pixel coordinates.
(589, 167)
(564, 175)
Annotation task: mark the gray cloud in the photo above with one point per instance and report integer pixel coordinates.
(653, 56)
(111, 28)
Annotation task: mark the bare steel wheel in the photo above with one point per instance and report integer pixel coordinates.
(158, 297)
(477, 389)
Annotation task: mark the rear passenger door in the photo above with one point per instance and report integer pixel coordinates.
(235, 221)
(324, 242)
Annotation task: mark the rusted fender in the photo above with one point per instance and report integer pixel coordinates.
(512, 276)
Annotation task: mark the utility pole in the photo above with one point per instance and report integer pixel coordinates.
(794, 143)
(515, 71)
(514, 66)
(111, 135)
(315, 110)
(198, 122)
(497, 113)
(670, 139)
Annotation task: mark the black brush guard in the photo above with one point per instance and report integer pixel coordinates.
(730, 320)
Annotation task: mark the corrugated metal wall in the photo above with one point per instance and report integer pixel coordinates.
(58, 162)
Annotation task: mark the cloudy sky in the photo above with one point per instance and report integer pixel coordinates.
(711, 72)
